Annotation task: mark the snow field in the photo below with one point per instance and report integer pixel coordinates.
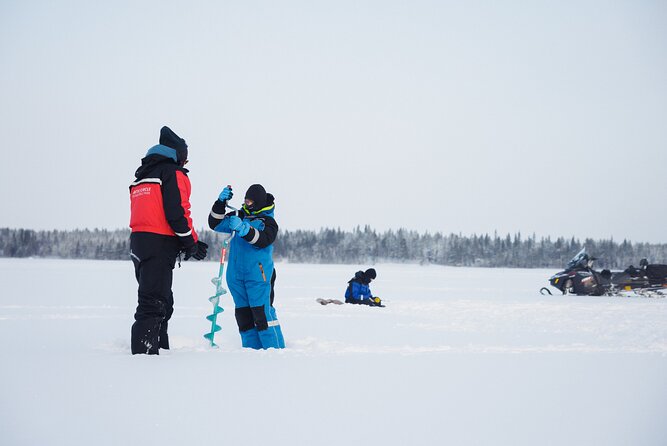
(458, 356)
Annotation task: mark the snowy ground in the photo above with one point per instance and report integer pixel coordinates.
(458, 356)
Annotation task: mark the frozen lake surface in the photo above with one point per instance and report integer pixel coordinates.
(458, 356)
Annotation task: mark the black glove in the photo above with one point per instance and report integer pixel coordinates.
(196, 251)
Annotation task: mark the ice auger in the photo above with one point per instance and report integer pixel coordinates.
(219, 291)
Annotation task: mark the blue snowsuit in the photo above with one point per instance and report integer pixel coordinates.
(358, 291)
(251, 275)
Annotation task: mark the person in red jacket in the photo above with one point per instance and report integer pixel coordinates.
(161, 230)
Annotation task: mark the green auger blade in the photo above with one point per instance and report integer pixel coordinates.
(219, 289)
(214, 316)
(209, 336)
(215, 300)
(214, 328)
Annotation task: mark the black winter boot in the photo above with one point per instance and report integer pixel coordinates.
(145, 337)
(164, 337)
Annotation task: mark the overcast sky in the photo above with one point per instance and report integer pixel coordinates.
(540, 117)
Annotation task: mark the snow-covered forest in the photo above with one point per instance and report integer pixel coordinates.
(361, 245)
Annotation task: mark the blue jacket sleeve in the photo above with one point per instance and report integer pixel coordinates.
(360, 291)
(216, 219)
(366, 292)
(261, 238)
(223, 225)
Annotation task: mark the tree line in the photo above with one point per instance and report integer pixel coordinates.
(358, 246)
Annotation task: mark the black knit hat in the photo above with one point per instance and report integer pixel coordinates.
(170, 139)
(257, 194)
(370, 273)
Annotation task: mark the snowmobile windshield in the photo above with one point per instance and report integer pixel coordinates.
(579, 261)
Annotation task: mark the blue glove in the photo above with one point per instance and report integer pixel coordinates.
(226, 194)
(241, 227)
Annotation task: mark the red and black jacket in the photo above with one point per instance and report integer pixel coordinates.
(160, 200)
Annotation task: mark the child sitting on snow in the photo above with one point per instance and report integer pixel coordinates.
(358, 291)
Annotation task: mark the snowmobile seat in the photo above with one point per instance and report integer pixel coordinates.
(657, 274)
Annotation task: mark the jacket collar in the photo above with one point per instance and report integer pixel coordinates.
(266, 210)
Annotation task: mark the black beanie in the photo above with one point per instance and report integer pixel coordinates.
(370, 273)
(170, 139)
(257, 194)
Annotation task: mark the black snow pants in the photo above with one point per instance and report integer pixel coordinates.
(154, 258)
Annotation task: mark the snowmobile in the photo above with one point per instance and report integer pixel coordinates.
(581, 279)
